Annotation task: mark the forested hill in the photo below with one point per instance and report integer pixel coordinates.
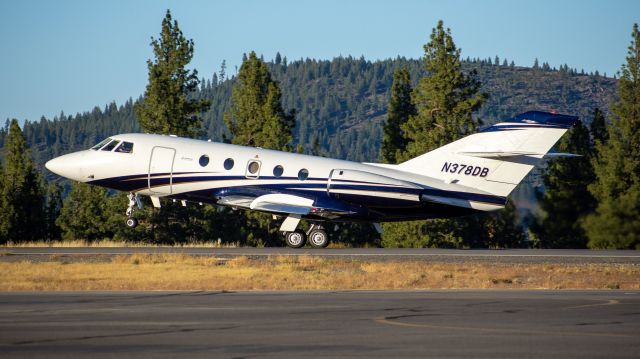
(341, 104)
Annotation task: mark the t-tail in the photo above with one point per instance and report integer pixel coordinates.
(497, 159)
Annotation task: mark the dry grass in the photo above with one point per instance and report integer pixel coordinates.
(184, 272)
(112, 244)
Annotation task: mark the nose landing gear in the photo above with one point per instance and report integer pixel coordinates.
(134, 200)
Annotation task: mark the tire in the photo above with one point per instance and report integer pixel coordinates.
(318, 238)
(131, 222)
(295, 239)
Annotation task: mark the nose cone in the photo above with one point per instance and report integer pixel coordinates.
(69, 166)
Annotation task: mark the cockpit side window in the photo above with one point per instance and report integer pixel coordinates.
(110, 146)
(125, 147)
(102, 143)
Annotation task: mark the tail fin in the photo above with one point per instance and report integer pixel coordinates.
(496, 159)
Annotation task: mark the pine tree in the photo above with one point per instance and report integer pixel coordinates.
(52, 211)
(598, 127)
(22, 199)
(6, 210)
(223, 71)
(256, 118)
(616, 222)
(500, 229)
(566, 199)
(445, 99)
(84, 214)
(400, 109)
(166, 107)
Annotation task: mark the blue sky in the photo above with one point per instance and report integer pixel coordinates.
(73, 55)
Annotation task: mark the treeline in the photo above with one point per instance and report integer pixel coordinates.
(340, 104)
(340, 107)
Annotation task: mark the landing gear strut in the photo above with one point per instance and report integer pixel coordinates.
(133, 200)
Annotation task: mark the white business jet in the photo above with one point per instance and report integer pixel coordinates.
(473, 174)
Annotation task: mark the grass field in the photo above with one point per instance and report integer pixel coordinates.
(184, 272)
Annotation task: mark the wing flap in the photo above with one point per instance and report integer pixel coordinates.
(236, 201)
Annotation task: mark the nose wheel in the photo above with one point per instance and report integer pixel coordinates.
(134, 200)
(132, 222)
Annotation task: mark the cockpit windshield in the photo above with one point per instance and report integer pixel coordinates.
(125, 147)
(102, 143)
(110, 146)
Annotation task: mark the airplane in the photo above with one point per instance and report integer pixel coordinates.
(471, 175)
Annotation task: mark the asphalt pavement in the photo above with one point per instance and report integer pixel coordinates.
(451, 324)
(372, 254)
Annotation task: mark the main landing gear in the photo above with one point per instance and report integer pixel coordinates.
(134, 200)
(316, 236)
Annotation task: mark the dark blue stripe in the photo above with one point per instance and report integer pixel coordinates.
(142, 183)
(496, 128)
(546, 118)
(375, 188)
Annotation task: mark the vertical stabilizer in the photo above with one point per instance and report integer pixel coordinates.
(498, 158)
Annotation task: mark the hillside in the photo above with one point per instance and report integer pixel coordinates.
(341, 103)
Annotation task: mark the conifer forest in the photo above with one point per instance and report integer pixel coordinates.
(354, 109)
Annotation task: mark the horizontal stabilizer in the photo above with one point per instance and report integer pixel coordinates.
(500, 154)
(282, 203)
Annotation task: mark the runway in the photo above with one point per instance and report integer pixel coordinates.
(452, 324)
(372, 254)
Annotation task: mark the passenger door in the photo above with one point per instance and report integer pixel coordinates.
(161, 170)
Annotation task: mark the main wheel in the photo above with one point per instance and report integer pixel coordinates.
(295, 239)
(132, 222)
(318, 238)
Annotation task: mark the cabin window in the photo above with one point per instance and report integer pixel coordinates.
(303, 174)
(102, 143)
(204, 160)
(278, 170)
(110, 146)
(228, 164)
(253, 167)
(125, 147)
